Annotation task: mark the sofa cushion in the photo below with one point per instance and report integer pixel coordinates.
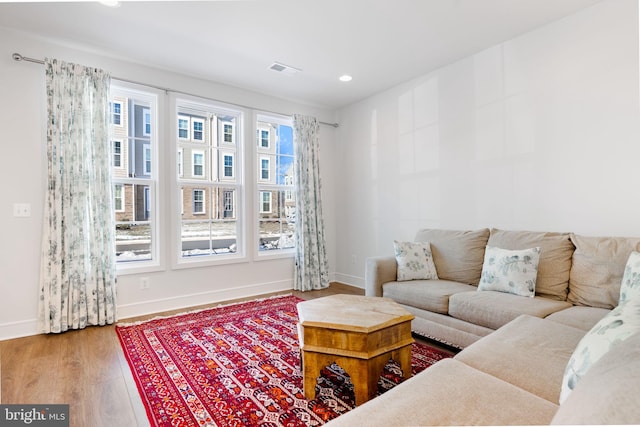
(597, 269)
(432, 295)
(447, 247)
(555, 257)
(414, 261)
(529, 352)
(608, 394)
(630, 286)
(579, 316)
(450, 393)
(511, 271)
(620, 324)
(494, 309)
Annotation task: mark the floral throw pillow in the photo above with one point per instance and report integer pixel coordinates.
(621, 323)
(511, 271)
(630, 286)
(414, 261)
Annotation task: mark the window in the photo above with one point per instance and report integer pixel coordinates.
(146, 117)
(198, 129)
(117, 154)
(228, 131)
(210, 217)
(147, 159)
(134, 176)
(275, 184)
(265, 205)
(183, 127)
(116, 113)
(118, 200)
(264, 138)
(228, 165)
(198, 163)
(198, 201)
(265, 168)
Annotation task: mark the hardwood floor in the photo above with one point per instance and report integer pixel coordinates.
(87, 370)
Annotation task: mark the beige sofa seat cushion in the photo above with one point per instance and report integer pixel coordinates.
(530, 352)
(608, 393)
(493, 309)
(597, 269)
(458, 255)
(450, 393)
(432, 295)
(580, 317)
(555, 257)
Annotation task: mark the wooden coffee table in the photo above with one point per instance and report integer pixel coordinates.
(358, 333)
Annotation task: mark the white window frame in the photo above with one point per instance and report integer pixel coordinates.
(193, 164)
(226, 123)
(215, 114)
(120, 197)
(188, 128)
(114, 114)
(195, 120)
(203, 201)
(154, 100)
(114, 154)
(261, 140)
(223, 166)
(262, 169)
(147, 159)
(146, 122)
(263, 201)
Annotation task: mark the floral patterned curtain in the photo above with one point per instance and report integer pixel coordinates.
(77, 277)
(311, 267)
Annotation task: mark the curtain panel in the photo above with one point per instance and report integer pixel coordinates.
(77, 277)
(311, 266)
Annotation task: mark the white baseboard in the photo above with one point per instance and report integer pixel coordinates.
(29, 327)
(186, 301)
(347, 279)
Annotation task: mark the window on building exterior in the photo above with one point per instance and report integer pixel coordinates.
(117, 154)
(210, 218)
(134, 177)
(275, 184)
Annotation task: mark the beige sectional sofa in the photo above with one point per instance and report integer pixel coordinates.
(517, 350)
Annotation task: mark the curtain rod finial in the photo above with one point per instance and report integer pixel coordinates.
(17, 57)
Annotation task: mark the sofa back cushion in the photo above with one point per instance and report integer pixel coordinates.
(458, 255)
(597, 269)
(556, 251)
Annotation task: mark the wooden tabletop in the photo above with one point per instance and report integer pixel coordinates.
(352, 313)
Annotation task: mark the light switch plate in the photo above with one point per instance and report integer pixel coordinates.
(22, 210)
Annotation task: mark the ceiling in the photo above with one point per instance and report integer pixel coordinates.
(381, 43)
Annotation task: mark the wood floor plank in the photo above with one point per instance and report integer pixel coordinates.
(87, 370)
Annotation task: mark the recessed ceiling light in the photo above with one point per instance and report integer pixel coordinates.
(345, 78)
(110, 3)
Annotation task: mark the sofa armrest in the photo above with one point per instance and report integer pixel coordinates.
(379, 270)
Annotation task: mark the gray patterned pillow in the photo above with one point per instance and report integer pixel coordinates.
(621, 323)
(630, 286)
(414, 261)
(511, 271)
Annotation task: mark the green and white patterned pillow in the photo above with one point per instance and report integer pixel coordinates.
(415, 261)
(511, 271)
(621, 323)
(630, 286)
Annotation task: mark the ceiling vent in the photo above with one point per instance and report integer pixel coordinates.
(285, 69)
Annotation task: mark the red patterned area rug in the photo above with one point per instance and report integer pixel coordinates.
(238, 365)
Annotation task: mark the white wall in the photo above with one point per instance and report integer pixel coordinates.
(538, 133)
(23, 176)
